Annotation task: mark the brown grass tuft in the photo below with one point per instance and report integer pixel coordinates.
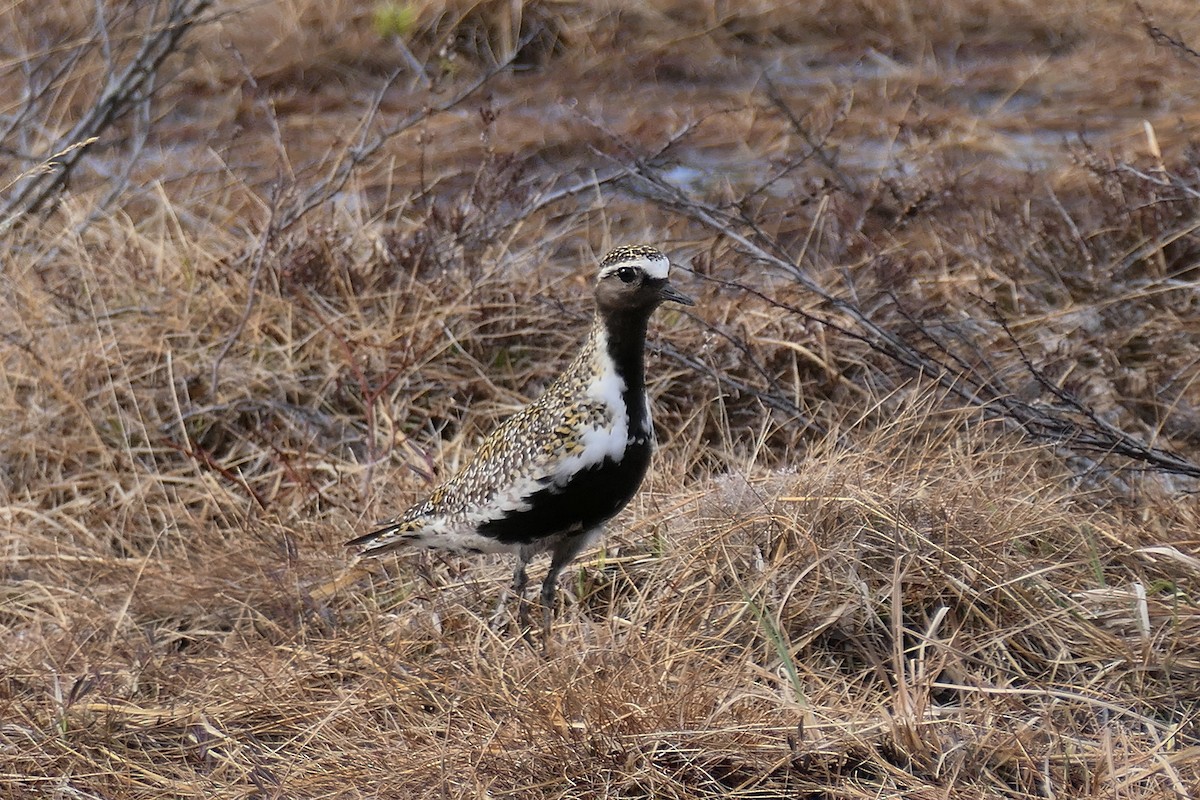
(841, 580)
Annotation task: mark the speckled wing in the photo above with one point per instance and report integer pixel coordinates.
(540, 447)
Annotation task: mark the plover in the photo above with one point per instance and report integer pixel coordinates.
(551, 475)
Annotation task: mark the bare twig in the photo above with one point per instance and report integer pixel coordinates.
(270, 230)
(1093, 433)
(1072, 424)
(815, 144)
(353, 157)
(125, 90)
(1161, 37)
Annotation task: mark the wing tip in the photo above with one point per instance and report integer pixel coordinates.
(364, 543)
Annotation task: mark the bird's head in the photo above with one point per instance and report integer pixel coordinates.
(634, 278)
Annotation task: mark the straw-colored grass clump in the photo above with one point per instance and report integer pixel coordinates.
(228, 352)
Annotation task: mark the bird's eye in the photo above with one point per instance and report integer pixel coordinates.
(627, 274)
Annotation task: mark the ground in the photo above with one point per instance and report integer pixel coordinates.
(923, 518)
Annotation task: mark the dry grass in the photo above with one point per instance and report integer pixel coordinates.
(898, 599)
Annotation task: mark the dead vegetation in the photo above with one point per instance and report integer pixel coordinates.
(923, 522)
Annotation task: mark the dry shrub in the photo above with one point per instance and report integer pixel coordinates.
(882, 617)
(836, 583)
(890, 613)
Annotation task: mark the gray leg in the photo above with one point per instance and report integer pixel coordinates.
(564, 553)
(520, 579)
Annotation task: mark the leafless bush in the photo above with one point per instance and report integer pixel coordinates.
(980, 361)
(112, 66)
(852, 572)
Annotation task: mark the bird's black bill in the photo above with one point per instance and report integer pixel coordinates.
(669, 292)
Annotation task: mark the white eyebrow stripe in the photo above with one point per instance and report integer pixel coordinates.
(654, 267)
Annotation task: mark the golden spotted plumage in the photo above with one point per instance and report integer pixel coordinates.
(631, 252)
(553, 473)
(527, 445)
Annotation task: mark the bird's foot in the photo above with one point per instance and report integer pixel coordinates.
(547, 625)
(499, 619)
(523, 623)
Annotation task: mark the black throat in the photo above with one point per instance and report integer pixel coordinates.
(626, 334)
(593, 495)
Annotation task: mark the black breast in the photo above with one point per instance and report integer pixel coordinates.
(592, 497)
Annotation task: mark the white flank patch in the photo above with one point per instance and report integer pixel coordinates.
(469, 542)
(512, 499)
(657, 267)
(440, 534)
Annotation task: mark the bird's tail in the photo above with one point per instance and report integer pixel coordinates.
(384, 539)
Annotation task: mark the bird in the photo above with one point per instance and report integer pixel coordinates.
(549, 477)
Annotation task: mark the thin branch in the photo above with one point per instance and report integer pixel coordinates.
(816, 146)
(1161, 37)
(979, 388)
(270, 230)
(123, 92)
(1100, 435)
(352, 158)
